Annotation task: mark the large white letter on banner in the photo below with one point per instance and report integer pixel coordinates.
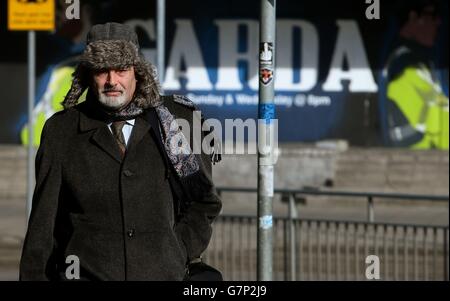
(349, 45)
(185, 48)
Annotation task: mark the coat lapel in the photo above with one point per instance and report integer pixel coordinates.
(104, 139)
(101, 137)
(141, 127)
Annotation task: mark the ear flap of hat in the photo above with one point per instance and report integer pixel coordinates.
(148, 88)
(79, 84)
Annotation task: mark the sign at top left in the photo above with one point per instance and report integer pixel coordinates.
(31, 15)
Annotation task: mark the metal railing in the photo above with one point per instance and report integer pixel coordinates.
(319, 249)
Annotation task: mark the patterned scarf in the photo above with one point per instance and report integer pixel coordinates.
(177, 147)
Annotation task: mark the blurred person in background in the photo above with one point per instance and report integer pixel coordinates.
(417, 108)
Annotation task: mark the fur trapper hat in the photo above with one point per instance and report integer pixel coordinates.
(114, 46)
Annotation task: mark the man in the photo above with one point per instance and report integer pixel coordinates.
(417, 108)
(117, 183)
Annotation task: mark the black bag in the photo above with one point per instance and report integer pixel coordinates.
(200, 271)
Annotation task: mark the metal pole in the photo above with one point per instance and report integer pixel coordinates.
(370, 211)
(445, 254)
(292, 216)
(31, 89)
(161, 29)
(266, 117)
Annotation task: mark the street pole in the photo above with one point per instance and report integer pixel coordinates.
(266, 116)
(31, 89)
(160, 44)
(292, 233)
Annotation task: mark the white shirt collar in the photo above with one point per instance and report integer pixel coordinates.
(128, 122)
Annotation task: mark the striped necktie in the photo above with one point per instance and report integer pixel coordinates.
(116, 128)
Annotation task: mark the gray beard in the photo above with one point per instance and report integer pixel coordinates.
(131, 111)
(112, 103)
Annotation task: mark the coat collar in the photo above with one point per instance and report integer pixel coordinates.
(102, 136)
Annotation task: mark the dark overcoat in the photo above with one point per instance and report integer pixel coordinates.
(117, 216)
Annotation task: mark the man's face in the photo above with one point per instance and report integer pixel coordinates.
(115, 88)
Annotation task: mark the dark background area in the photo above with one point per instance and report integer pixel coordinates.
(360, 119)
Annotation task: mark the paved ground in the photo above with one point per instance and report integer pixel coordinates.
(12, 231)
(9, 275)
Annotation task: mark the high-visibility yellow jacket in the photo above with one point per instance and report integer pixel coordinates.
(419, 97)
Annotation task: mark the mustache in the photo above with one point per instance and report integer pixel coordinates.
(112, 90)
